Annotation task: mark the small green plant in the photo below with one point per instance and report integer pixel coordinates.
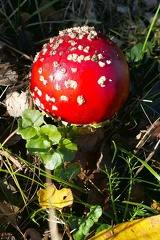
(137, 53)
(84, 224)
(45, 140)
(122, 202)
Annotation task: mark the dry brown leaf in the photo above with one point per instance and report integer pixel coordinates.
(9, 215)
(13, 159)
(16, 103)
(156, 205)
(151, 134)
(7, 75)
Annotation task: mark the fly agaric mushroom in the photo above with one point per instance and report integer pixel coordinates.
(80, 76)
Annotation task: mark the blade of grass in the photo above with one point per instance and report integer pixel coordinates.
(13, 174)
(17, 9)
(17, 51)
(149, 31)
(59, 180)
(145, 164)
(142, 206)
(115, 151)
(42, 8)
(150, 169)
(10, 22)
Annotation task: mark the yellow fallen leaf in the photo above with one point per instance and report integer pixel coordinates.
(140, 229)
(51, 197)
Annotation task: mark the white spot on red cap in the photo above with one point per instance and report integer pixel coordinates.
(87, 58)
(80, 58)
(55, 64)
(80, 47)
(63, 70)
(41, 60)
(64, 98)
(73, 70)
(51, 39)
(74, 57)
(101, 81)
(71, 84)
(42, 106)
(73, 49)
(41, 78)
(86, 49)
(44, 50)
(94, 58)
(45, 45)
(51, 77)
(36, 57)
(40, 70)
(53, 99)
(73, 43)
(101, 64)
(57, 43)
(39, 92)
(108, 62)
(57, 86)
(53, 52)
(80, 100)
(37, 102)
(93, 33)
(72, 35)
(69, 57)
(61, 53)
(48, 98)
(79, 32)
(54, 108)
(100, 56)
(60, 41)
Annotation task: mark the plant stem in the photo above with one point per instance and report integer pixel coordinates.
(129, 191)
(112, 197)
(67, 228)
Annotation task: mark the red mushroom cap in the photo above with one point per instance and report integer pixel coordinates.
(80, 76)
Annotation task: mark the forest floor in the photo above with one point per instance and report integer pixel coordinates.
(130, 144)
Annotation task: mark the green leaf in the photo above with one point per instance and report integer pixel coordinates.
(68, 172)
(102, 227)
(95, 213)
(28, 125)
(32, 118)
(68, 150)
(135, 53)
(38, 145)
(149, 48)
(52, 159)
(26, 133)
(51, 132)
(86, 223)
(69, 145)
